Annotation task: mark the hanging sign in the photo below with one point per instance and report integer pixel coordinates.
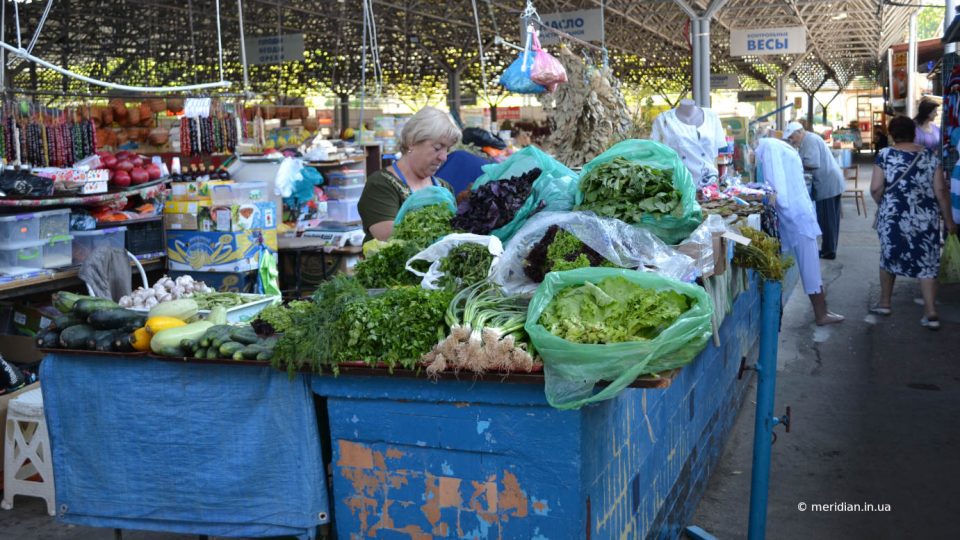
(274, 49)
(724, 81)
(898, 86)
(761, 41)
(754, 95)
(586, 24)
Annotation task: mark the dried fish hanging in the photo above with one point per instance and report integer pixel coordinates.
(588, 114)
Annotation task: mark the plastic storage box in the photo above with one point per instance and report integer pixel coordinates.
(344, 192)
(84, 242)
(344, 211)
(54, 223)
(146, 238)
(21, 257)
(58, 251)
(239, 193)
(19, 228)
(345, 177)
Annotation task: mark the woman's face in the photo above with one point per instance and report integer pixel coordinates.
(426, 157)
(933, 114)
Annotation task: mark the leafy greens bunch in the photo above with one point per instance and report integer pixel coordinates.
(763, 255)
(424, 226)
(557, 251)
(494, 204)
(465, 265)
(614, 310)
(387, 267)
(628, 190)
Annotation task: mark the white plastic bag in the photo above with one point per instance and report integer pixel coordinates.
(622, 244)
(287, 176)
(439, 250)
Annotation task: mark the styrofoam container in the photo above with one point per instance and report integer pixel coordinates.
(344, 192)
(58, 251)
(21, 257)
(84, 242)
(344, 211)
(239, 193)
(19, 228)
(54, 223)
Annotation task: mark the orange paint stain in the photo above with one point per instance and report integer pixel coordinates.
(415, 532)
(431, 506)
(512, 497)
(449, 490)
(354, 455)
(393, 453)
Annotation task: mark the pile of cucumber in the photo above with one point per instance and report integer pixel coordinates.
(92, 324)
(224, 341)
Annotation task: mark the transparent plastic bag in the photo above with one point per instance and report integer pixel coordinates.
(555, 190)
(950, 261)
(516, 78)
(439, 250)
(572, 370)
(623, 245)
(427, 196)
(670, 229)
(547, 71)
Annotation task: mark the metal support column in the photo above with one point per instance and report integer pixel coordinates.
(912, 67)
(697, 58)
(781, 99)
(700, 43)
(704, 36)
(949, 12)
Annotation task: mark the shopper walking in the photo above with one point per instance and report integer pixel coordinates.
(928, 133)
(908, 186)
(828, 184)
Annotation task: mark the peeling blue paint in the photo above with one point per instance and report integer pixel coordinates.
(537, 535)
(354, 419)
(482, 531)
(540, 507)
(482, 425)
(421, 443)
(446, 468)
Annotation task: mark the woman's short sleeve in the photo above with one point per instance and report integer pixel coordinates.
(379, 201)
(881, 157)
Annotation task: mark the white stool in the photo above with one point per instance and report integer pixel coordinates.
(27, 440)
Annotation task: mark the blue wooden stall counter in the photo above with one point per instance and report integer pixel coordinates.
(489, 460)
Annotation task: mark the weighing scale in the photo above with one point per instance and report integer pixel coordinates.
(335, 234)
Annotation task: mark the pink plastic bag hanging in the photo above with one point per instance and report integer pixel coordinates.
(547, 71)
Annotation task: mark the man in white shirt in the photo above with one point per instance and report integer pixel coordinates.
(828, 184)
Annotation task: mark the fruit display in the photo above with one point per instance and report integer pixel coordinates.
(128, 169)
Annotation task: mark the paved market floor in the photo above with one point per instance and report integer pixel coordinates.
(874, 401)
(874, 404)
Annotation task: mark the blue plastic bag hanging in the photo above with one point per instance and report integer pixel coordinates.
(517, 77)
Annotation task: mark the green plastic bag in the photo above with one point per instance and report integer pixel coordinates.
(572, 370)
(556, 187)
(950, 260)
(268, 278)
(670, 229)
(427, 196)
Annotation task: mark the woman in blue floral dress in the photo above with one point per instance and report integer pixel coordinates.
(911, 195)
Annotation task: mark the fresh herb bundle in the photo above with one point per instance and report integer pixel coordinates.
(387, 267)
(279, 318)
(628, 190)
(494, 204)
(763, 255)
(396, 327)
(614, 310)
(424, 226)
(465, 265)
(557, 251)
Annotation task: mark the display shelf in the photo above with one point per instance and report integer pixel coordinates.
(109, 224)
(60, 280)
(335, 162)
(147, 190)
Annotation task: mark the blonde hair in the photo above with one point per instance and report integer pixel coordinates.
(429, 124)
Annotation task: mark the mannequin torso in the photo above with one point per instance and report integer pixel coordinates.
(689, 113)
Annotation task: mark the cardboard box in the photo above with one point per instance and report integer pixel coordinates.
(245, 217)
(30, 320)
(201, 221)
(186, 207)
(218, 251)
(194, 191)
(241, 282)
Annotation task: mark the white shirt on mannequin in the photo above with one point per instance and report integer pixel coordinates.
(696, 134)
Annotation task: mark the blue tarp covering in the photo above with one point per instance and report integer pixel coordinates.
(187, 448)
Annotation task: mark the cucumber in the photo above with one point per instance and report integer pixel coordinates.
(167, 342)
(75, 337)
(230, 347)
(250, 352)
(190, 344)
(49, 339)
(238, 355)
(122, 341)
(96, 337)
(214, 331)
(213, 353)
(245, 335)
(66, 321)
(116, 318)
(265, 355)
(200, 353)
(85, 308)
(104, 340)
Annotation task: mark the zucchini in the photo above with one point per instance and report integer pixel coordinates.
(75, 337)
(104, 340)
(230, 347)
(122, 341)
(97, 337)
(218, 315)
(49, 339)
(116, 319)
(64, 301)
(167, 342)
(85, 308)
(66, 321)
(245, 335)
(183, 309)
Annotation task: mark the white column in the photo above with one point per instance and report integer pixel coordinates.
(949, 11)
(781, 101)
(912, 67)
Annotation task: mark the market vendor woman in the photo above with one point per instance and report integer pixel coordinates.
(425, 140)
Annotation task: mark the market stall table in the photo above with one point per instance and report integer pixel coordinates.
(301, 245)
(491, 458)
(171, 446)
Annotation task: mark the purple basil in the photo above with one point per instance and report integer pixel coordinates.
(494, 204)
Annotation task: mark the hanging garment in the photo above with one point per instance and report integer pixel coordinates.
(697, 146)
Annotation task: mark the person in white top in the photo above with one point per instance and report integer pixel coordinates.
(782, 168)
(696, 134)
